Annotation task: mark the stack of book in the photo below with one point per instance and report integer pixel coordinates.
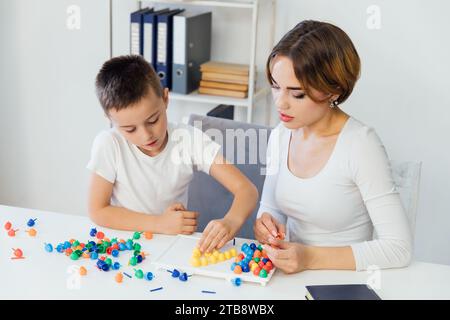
(224, 79)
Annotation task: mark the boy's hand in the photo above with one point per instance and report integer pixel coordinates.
(267, 227)
(177, 220)
(216, 234)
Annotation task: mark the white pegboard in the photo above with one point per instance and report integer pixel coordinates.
(179, 253)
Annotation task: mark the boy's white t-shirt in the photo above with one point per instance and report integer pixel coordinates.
(150, 184)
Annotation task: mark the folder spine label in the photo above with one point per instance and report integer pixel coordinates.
(135, 38)
(148, 42)
(162, 36)
(179, 40)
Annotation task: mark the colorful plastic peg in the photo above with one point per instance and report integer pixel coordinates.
(183, 276)
(116, 266)
(48, 247)
(31, 222)
(18, 254)
(119, 277)
(138, 273)
(137, 235)
(133, 261)
(236, 282)
(175, 273)
(93, 232)
(148, 235)
(12, 232)
(82, 271)
(8, 226)
(32, 232)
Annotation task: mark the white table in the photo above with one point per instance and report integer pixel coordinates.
(45, 275)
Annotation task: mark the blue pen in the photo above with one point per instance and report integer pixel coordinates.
(206, 291)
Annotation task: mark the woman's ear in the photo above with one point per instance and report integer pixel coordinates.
(333, 97)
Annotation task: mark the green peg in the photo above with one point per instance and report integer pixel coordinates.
(108, 261)
(74, 256)
(137, 247)
(133, 261)
(137, 235)
(263, 273)
(138, 273)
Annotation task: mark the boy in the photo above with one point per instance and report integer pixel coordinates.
(138, 180)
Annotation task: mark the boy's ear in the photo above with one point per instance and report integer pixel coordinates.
(108, 118)
(166, 97)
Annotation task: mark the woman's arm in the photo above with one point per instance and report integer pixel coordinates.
(371, 172)
(295, 257)
(270, 220)
(273, 160)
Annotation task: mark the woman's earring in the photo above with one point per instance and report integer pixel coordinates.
(334, 103)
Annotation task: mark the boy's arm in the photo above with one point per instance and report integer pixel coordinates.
(218, 232)
(174, 220)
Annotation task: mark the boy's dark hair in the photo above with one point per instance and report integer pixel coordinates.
(125, 80)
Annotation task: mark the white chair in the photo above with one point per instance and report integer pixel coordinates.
(406, 176)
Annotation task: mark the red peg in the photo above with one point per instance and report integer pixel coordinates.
(8, 226)
(12, 232)
(18, 254)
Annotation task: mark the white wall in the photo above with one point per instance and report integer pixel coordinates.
(48, 110)
(49, 113)
(402, 93)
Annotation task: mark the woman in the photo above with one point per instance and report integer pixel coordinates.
(329, 181)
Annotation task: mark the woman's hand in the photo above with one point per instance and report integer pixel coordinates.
(216, 234)
(266, 227)
(288, 256)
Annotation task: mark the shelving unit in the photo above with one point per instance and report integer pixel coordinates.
(253, 93)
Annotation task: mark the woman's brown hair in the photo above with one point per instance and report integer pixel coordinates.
(323, 56)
